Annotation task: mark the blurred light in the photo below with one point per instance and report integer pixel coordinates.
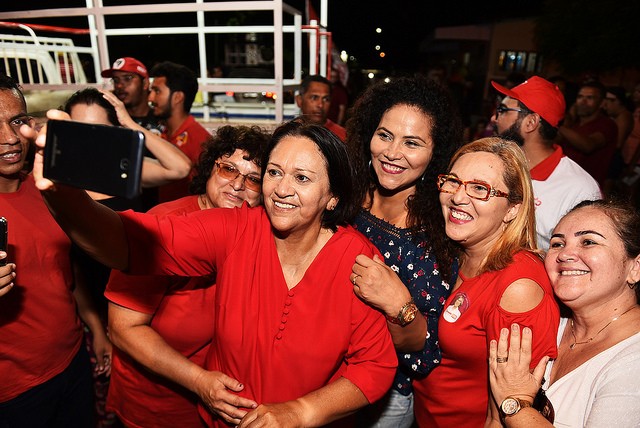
(270, 95)
(352, 58)
(382, 54)
(378, 30)
(229, 93)
(387, 80)
(371, 75)
(344, 56)
(275, 97)
(377, 47)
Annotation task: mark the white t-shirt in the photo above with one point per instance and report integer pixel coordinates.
(602, 392)
(558, 185)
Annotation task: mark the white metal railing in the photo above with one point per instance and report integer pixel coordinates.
(96, 12)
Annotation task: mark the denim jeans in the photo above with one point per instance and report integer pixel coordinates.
(394, 410)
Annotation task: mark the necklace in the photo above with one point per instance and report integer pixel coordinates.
(575, 342)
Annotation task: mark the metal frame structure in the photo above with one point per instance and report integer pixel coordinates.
(96, 12)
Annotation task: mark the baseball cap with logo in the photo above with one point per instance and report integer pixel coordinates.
(540, 96)
(128, 64)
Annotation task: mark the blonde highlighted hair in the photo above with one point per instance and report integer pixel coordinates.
(520, 233)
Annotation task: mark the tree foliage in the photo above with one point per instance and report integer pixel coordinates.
(590, 34)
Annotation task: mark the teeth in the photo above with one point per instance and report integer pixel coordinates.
(9, 155)
(574, 272)
(393, 168)
(460, 215)
(281, 205)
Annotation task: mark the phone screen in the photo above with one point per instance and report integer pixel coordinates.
(3, 238)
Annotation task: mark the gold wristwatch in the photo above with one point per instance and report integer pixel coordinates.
(511, 405)
(407, 314)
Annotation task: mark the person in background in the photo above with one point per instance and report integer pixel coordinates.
(46, 376)
(165, 324)
(590, 137)
(400, 137)
(530, 115)
(131, 85)
(487, 202)
(618, 107)
(311, 351)
(173, 90)
(595, 379)
(314, 100)
(339, 100)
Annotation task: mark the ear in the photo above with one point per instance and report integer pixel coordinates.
(634, 274)
(333, 202)
(177, 98)
(511, 213)
(145, 84)
(299, 100)
(530, 123)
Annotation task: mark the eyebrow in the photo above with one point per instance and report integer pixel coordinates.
(309, 171)
(579, 233)
(412, 137)
(19, 116)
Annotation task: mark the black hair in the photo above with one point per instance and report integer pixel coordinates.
(597, 85)
(10, 84)
(179, 78)
(341, 177)
(435, 101)
(225, 141)
(91, 96)
(306, 82)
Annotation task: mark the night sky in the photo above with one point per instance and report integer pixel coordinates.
(404, 25)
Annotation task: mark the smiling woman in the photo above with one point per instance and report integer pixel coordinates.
(310, 347)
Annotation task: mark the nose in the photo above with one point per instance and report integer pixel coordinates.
(8, 134)
(460, 197)
(284, 187)
(238, 182)
(566, 254)
(393, 151)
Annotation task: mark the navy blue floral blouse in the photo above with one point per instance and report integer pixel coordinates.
(418, 270)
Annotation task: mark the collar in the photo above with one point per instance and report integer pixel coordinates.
(543, 170)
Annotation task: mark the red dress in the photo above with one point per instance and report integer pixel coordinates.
(280, 343)
(182, 310)
(456, 393)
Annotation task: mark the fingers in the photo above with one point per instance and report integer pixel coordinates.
(514, 346)
(503, 344)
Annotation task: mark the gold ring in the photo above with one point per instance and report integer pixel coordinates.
(354, 279)
(502, 360)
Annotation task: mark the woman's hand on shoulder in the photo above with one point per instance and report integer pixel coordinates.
(509, 361)
(378, 285)
(219, 393)
(284, 415)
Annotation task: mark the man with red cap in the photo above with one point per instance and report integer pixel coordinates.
(131, 85)
(530, 115)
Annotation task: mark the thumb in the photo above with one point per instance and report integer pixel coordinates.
(231, 383)
(538, 372)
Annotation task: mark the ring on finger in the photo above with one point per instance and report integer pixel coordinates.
(354, 279)
(502, 360)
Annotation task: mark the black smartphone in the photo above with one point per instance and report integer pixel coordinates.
(3, 238)
(101, 158)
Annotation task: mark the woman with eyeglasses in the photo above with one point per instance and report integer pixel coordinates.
(594, 267)
(164, 324)
(488, 208)
(401, 136)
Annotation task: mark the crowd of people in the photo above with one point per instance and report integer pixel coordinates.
(381, 274)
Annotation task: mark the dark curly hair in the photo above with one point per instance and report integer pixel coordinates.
(225, 141)
(424, 211)
(339, 169)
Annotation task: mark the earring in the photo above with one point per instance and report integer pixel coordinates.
(632, 285)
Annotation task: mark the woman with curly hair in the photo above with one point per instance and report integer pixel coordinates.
(164, 324)
(401, 136)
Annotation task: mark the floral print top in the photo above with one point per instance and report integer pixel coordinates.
(418, 270)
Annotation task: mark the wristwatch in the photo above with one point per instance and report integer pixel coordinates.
(511, 405)
(407, 314)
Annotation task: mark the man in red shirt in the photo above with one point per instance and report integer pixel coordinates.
(173, 90)
(314, 100)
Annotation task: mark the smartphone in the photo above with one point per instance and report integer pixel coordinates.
(101, 158)
(3, 238)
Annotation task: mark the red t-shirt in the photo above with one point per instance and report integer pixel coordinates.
(280, 343)
(182, 310)
(336, 129)
(40, 331)
(189, 139)
(456, 392)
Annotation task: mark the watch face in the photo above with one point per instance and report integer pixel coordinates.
(510, 406)
(410, 314)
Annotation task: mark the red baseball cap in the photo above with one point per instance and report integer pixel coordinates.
(540, 96)
(128, 64)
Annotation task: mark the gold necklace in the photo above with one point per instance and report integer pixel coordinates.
(575, 342)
